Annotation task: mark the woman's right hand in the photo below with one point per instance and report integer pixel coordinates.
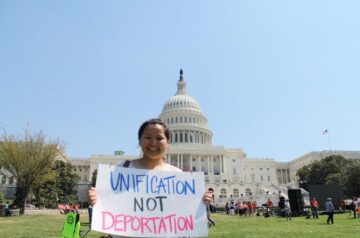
(92, 196)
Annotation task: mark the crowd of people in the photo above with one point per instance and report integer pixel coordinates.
(241, 208)
(248, 208)
(64, 208)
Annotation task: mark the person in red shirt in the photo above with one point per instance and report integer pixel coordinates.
(250, 208)
(314, 207)
(269, 203)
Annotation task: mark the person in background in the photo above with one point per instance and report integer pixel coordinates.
(353, 207)
(208, 211)
(314, 207)
(67, 208)
(90, 210)
(153, 136)
(7, 209)
(227, 208)
(287, 210)
(342, 206)
(329, 208)
(232, 208)
(269, 205)
(250, 208)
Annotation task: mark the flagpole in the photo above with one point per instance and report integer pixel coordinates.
(328, 136)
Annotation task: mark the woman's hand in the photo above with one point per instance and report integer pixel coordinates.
(207, 198)
(92, 196)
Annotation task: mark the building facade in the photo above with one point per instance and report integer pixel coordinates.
(229, 171)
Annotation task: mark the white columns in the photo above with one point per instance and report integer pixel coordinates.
(181, 161)
(221, 164)
(199, 162)
(191, 166)
(208, 164)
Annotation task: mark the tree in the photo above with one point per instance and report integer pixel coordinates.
(352, 179)
(303, 175)
(333, 169)
(60, 188)
(65, 182)
(29, 159)
(45, 194)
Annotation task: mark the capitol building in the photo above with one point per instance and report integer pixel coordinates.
(231, 174)
(228, 171)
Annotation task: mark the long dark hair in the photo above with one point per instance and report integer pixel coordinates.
(154, 122)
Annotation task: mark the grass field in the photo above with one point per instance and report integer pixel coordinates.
(49, 226)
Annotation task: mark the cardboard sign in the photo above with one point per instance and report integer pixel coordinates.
(149, 203)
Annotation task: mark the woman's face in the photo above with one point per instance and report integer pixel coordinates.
(153, 142)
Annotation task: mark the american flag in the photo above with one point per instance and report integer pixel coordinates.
(325, 132)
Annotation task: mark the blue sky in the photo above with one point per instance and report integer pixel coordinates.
(270, 76)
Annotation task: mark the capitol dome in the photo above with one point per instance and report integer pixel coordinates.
(183, 115)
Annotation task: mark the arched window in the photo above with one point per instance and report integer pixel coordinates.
(223, 193)
(248, 191)
(236, 193)
(253, 177)
(3, 180)
(11, 180)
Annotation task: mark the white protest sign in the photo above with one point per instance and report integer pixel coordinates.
(149, 203)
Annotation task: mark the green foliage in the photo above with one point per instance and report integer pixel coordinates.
(2, 197)
(333, 169)
(45, 195)
(352, 179)
(58, 188)
(28, 160)
(66, 182)
(303, 174)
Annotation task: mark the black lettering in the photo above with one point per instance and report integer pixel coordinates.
(160, 198)
(140, 206)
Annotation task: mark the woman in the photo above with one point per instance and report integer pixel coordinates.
(153, 138)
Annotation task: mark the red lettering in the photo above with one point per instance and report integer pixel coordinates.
(104, 215)
(162, 225)
(119, 220)
(181, 228)
(153, 219)
(170, 221)
(144, 222)
(189, 223)
(133, 225)
(138, 223)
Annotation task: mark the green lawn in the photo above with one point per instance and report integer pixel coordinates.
(49, 226)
